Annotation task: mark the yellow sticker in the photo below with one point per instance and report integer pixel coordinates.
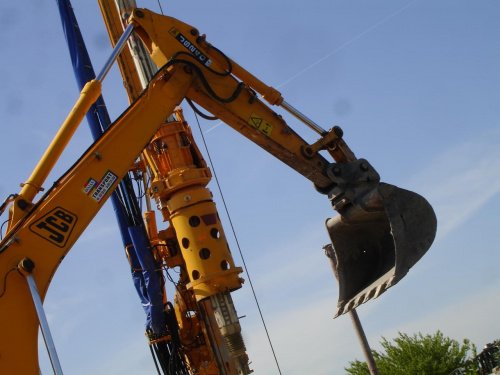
(260, 124)
(173, 31)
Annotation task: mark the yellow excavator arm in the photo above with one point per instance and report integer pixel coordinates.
(379, 233)
(381, 230)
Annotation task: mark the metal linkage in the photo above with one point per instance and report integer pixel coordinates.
(306, 120)
(26, 267)
(116, 51)
(358, 328)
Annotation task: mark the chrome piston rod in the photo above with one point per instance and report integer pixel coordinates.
(306, 120)
(116, 51)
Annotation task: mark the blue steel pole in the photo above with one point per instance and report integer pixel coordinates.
(133, 232)
(97, 117)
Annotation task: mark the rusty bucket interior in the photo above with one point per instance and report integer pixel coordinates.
(375, 247)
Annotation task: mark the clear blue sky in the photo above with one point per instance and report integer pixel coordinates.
(415, 86)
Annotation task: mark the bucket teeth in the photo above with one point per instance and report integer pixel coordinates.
(372, 292)
(383, 287)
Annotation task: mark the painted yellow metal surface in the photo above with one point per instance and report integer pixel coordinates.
(33, 185)
(44, 231)
(194, 241)
(48, 230)
(172, 42)
(204, 247)
(113, 23)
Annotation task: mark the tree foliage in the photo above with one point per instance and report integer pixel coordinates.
(417, 354)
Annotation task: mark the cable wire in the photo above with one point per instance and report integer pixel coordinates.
(200, 113)
(1, 228)
(5, 281)
(238, 246)
(161, 9)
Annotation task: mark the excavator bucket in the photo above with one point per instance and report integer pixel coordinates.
(377, 237)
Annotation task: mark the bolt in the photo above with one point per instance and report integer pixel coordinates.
(194, 32)
(336, 170)
(187, 198)
(309, 150)
(22, 204)
(139, 13)
(27, 265)
(364, 166)
(338, 131)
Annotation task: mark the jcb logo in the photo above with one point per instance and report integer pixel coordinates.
(56, 226)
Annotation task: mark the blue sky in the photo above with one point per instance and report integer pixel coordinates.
(414, 85)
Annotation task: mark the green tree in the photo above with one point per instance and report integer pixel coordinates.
(496, 354)
(418, 355)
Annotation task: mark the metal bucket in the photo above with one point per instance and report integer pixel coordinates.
(378, 236)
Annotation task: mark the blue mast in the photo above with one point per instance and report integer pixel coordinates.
(146, 273)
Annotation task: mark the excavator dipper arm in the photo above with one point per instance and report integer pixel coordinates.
(381, 230)
(216, 89)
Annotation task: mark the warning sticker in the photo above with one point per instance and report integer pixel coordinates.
(260, 124)
(104, 186)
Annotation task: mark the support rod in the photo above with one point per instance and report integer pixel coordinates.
(116, 51)
(26, 268)
(358, 328)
